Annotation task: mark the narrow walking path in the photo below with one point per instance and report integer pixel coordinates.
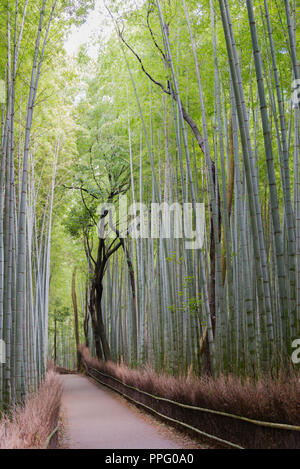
(98, 419)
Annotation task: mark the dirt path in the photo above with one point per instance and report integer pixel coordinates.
(97, 419)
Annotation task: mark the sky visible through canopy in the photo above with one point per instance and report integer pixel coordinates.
(98, 24)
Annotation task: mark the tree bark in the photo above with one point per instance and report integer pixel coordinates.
(75, 307)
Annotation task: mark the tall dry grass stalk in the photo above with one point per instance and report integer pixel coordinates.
(266, 400)
(30, 425)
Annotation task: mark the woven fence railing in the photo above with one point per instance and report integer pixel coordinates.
(226, 429)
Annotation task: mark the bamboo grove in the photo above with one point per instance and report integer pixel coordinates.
(192, 102)
(187, 103)
(30, 148)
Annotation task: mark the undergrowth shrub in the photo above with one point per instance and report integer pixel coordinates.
(267, 399)
(29, 426)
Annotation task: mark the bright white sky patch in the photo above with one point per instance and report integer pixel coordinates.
(98, 24)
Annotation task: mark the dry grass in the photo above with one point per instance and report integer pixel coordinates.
(30, 425)
(268, 400)
(63, 371)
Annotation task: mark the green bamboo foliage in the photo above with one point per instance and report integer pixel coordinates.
(255, 234)
(271, 172)
(24, 255)
(285, 157)
(208, 130)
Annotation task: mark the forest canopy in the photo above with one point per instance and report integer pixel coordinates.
(185, 102)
